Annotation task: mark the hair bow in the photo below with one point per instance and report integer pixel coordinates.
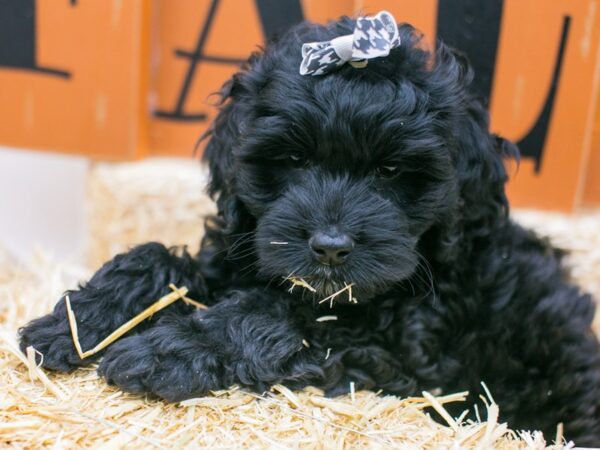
(373, 37)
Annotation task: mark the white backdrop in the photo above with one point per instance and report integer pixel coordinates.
(42, 203)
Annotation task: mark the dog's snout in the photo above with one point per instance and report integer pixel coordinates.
(331, 248)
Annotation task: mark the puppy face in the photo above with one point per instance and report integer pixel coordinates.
(343, 174)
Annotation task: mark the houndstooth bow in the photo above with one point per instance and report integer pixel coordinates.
(373, 37)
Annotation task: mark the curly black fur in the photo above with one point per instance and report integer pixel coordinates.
(450, 292)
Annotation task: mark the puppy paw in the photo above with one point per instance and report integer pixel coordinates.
(128, 363)
(51, 336)
(136, 364)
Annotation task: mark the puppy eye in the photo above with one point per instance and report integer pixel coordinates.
(388, 171)
(297, 160)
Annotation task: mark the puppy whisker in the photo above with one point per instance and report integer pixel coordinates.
(241, 255)
(242, 239)
(246, 270)
(424, 264)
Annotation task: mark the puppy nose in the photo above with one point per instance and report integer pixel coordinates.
(331, 248)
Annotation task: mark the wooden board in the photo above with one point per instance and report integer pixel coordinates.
(591, 190)
(70, 76)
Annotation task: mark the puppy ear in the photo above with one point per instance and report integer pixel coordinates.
(481, 171)
(480, 155)
(222, 137)
(232, 217)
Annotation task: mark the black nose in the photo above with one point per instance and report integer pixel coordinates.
(331, 248)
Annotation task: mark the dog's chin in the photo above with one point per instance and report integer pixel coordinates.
(326, 284)
(330, 286)
(330, 291)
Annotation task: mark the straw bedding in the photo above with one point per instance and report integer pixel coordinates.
(162, 200)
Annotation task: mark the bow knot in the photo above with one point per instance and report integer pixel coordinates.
(373, 37)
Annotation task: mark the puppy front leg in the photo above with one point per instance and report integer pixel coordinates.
(248, 338)
(121, 289)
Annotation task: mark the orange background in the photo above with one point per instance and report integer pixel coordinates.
(591, 194)
(95, 111)
(525, 63)
(124, 69)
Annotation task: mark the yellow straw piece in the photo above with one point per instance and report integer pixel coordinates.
(163, 302)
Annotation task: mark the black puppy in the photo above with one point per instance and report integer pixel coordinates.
(384, 178)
